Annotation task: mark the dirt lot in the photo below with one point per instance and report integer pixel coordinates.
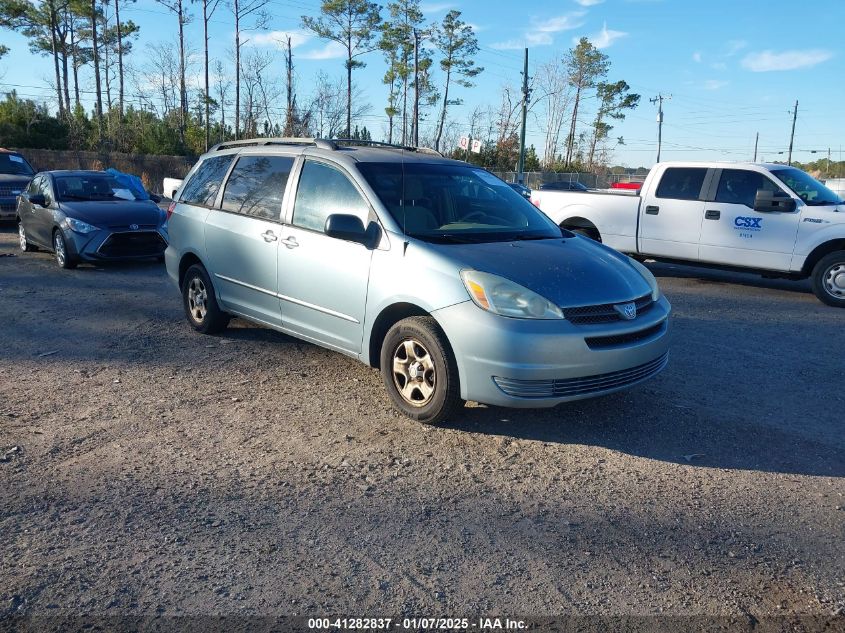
(147, 469)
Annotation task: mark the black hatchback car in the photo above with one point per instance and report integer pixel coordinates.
(88, 216)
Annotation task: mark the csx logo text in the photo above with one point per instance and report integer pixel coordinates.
(748, 223)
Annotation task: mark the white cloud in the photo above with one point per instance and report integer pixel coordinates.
(589, 3)
(279, 38)
(766, 61)
(719, 66)
(437, 7)
(332, 50)
(696, 57)
(541, 32)
(604, 38)
(732, 47)
(715, 84)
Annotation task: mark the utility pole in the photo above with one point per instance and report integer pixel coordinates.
(659, 101)
(521, 166)
(756, 140)
(416, 122)
(792, 136)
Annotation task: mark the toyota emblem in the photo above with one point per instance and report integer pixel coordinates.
(627, 311)
(134, 227)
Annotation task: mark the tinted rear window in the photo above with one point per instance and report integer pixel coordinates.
(203, 186)
(681, 183)
(257, 185)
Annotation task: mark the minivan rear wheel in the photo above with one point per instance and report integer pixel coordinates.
(200, 302)
(419, 370)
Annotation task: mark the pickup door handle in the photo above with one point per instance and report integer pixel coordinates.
(712, 214)
(652, 210)
(269, 236)
(290, 242)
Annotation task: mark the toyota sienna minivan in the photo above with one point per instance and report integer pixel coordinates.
(432, 270)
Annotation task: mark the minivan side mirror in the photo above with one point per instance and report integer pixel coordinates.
(768, 201)
(342, 226)
(37, 198)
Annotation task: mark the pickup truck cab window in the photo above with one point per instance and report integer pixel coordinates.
(322, 191)
(681, 183)
(739, 186)
(810, 190)
(256, 186)
(202, 187)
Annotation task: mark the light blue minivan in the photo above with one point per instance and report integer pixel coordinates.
(432, 270)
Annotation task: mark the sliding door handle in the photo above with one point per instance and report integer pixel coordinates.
(269, 236)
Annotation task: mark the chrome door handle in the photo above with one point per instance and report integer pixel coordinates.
(269, 236)
(290, 242)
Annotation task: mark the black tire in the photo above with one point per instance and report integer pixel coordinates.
(200, 302)
(25, 245)
(828, 279)
(593, 234)
(63, 258)
(432, 364)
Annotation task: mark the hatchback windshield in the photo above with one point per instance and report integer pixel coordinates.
(806, 187)
(90, 187)
(14, 165)
(455, 203)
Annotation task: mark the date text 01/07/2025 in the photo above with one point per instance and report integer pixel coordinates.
(416, 624)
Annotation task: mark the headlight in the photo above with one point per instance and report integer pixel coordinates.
(78, 226)
(502, 296)
(646, 273)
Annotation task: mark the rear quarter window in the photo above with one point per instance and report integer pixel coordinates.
(681, 183)
(203, 185)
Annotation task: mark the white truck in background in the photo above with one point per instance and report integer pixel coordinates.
(769, 218)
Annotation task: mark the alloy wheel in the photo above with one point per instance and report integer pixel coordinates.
(22, 237)
(413, 372)
(59, 247)
(197, 299)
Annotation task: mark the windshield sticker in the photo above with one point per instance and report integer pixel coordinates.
(16, 159)
(489, 178)
(125, 194)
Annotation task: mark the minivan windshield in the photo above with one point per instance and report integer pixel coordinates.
(451, 203)
(14, 164)
(806, 187)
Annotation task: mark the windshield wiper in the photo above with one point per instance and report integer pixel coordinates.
(519, 238)
(73, 196)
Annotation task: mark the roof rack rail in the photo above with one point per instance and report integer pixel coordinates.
(410, 148)
(317, 142)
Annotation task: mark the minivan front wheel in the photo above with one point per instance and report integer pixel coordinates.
(419, 370)
(200, 303)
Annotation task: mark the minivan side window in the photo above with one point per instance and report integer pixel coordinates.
(681, 183)
(739, 186)
(256, 186)
(202, 188)
(323, 191)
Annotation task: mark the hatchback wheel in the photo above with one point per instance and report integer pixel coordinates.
(200, 303)
(25, 245)
(63, 258)
(419, 370)
(829, 279)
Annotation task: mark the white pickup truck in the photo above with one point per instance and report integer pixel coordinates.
(769, 218)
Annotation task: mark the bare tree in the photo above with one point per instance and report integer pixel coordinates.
(258, 93)
(208, 9)
(243, 10)
(223, 86)
(554, 96)
(175, 6)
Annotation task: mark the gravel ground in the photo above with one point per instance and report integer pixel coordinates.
(147, 470)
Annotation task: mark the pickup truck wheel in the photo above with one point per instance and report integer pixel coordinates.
(829, 279)
(200, 302)
(593, 234)
(419, 370)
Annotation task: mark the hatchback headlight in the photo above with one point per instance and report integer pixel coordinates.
(646, 273)
(502, 296)
(78, 226)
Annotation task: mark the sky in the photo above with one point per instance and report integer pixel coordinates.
(729, 68)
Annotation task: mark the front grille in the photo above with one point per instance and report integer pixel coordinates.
(605, 312)
(134, 244)
(7, 192)
(572, 387)
(127, 227)
(601, 342)
(7, 208)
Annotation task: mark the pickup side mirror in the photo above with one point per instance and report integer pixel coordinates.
(37, 198)
(346, 227)
(767, 201)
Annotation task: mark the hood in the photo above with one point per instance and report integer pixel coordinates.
(15, 181)
(567, 271)
(105, 213)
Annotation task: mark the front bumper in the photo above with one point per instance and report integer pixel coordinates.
(104, 245)
(534, 363)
